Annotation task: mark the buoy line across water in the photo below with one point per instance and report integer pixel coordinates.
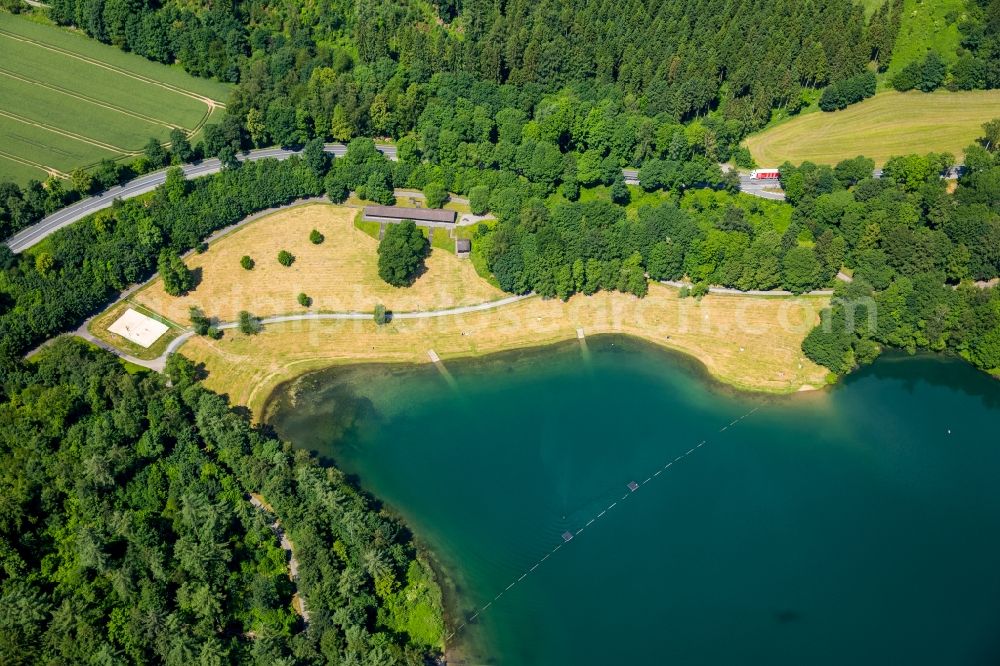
(568, 536)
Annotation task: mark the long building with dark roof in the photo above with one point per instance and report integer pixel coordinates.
(400, 213)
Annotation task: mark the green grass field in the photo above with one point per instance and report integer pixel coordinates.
(870, 5)
(67, 101)
(888, 124)
(927, 25)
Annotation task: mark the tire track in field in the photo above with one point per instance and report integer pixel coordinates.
(90, 100)
(47, 169)
(65, 133)
(208, 101)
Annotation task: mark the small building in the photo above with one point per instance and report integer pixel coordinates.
(393, 214)
(463, 246)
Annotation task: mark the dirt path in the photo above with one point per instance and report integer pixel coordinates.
(298, 602)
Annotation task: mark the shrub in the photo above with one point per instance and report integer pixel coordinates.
(619, 192)
(843, 93)
(177, 279)
(246, 262)
(926, 75)
(699, 290)
(401, 253)
(435, 195)
(201, 248)
(215, 332)
(199, 321)
(336, 189)
(249, 324)
(285, 258)
(742, 158)
(381, 316)
(304, 300)
(479, 199)
(315, 237)
(570, 189)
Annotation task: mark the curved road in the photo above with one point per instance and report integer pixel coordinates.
(160, 362)
(28, 237)
(34, 234)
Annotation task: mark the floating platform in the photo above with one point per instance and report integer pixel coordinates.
(567, 537)
(579, 334)
(633, 486)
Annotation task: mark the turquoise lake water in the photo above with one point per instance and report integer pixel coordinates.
(858, 525)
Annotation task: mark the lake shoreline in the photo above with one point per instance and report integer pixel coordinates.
(491, 468)
(696, 366)
(263, 412)
(349, 375)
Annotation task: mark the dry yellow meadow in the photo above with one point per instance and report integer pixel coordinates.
(886, 125)
(749, 342)
(340, 274)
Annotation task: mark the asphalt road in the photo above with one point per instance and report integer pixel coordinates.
(756, 187)
(26, 238)
(64, 216)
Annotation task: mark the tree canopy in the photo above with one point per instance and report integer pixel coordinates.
(401, 253)
(128, 532)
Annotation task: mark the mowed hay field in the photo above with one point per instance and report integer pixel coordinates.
(340, 274)
(886, 125)
(67, 101)
(748, 342)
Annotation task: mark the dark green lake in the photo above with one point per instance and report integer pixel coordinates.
(859, 525)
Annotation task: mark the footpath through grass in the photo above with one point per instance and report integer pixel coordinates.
(67, 101)
(888, 124)
(749, 342)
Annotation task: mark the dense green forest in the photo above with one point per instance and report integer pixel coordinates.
(565, 94)
(916, 252)
(977, 64)
(338, 70)
(127, 535)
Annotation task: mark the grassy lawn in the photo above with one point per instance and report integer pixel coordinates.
(441, 239)
(20, 171)
(99, 329)
(888, 124)
(340, 275)
(639, 197)
(752, 343)
(82, 117)
(925, 26)
(870, 5)
(371, 229)
(22, 141)
(67, 101)
(82, 45)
